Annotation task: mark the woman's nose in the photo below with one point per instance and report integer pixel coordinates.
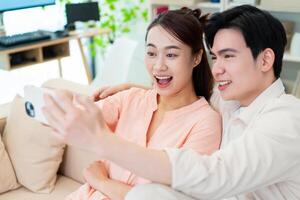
(160, 64)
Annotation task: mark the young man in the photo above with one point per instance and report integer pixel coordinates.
(260, 155)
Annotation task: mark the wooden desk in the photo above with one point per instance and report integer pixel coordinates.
(42, 51)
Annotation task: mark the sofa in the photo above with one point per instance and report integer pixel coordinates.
(34, 165)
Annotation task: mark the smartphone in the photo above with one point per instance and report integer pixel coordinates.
(34, 102)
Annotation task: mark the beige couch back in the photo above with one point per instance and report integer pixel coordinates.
(74, 161)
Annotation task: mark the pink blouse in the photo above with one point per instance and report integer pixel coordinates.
(128, 114)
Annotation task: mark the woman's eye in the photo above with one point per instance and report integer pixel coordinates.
(150, 54)
(214, 57)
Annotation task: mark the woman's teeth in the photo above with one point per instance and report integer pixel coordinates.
(163, 79)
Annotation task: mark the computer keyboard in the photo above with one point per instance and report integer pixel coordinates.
(13, 40)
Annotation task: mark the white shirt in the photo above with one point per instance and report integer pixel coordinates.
(259, 157)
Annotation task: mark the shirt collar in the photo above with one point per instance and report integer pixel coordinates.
(273, 91)
(187, 108)
(179, 111)
(153, 100)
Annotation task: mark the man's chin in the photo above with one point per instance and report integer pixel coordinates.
(226, 96)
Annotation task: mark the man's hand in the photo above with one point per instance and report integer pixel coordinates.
(106, 91)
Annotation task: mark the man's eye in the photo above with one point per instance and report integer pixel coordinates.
(171, 55)
(228, 56)
(213, 57)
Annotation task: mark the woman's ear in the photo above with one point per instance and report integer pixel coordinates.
(268, 58)
(197, 58)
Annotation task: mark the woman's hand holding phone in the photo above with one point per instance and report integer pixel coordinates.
(80, 124)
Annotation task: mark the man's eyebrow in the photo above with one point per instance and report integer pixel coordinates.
(167, 47)
(222, 51)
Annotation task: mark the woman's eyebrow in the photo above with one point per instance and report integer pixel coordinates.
(167, 47)
(172, 47)
(150, 45)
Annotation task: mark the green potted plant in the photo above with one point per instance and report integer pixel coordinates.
(117, 15)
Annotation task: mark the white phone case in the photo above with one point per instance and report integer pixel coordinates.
(34, 101)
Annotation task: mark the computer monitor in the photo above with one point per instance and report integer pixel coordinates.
(82, 12)
(6, 5)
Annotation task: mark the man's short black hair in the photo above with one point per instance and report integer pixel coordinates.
(259, 28)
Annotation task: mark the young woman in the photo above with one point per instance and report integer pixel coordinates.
(175, 113)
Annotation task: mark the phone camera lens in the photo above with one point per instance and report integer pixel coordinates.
(29, 109)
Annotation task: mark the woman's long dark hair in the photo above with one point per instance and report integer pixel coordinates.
(187, 26)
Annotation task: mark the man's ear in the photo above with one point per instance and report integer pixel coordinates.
(268, 58)
(198, 58)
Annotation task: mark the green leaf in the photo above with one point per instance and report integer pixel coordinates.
(112, 7)
(105, 24)
(113, 27)
(99, 41)
(145, 14)
(126, 30)
(112, 18)
(111, 1)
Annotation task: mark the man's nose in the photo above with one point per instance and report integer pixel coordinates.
(218, 68)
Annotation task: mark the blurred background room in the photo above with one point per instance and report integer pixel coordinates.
(102, 42)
